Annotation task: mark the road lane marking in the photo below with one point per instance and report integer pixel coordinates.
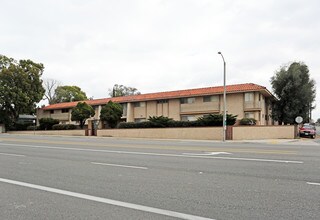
(162, 147)
(107, 201)
(316, 184)
(155, 154)
(206, 154)
(119, 165)
(13, 155)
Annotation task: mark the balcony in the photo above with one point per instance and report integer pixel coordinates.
(61, 116)
(252, 105)
(200, 107)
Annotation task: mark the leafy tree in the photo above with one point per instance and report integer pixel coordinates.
(81, 113)
(295, 92)
(69, 94)
(20, 88)
(318, 120)
(121, 90)
(50, 86)
(111, 113)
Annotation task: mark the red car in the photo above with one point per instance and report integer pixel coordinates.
(307, 130)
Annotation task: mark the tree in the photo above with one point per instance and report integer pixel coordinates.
(295, 92)
(69, 94)
(318, 121)
(50, 86)
(111, 113)
(121, 90)
(81, 113)
(20, 88)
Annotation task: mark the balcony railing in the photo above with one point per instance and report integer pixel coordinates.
(252, 105)
(203, 107)
(60, 116)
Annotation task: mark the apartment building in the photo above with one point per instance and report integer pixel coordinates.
(245, 100)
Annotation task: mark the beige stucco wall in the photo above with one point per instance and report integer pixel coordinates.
(234, 104)
(52, 132)
(174, 109)
(130, 113)
(263, 132)
(206, 133)
(140, 112)
(151, 108)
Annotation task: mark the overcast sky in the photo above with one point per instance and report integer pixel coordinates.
(162, 45)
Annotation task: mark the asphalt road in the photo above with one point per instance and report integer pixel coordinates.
(107, 178)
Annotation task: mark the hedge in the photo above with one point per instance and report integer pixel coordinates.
(47, 123)
(165, 122)
(248, 121)
(64, 127)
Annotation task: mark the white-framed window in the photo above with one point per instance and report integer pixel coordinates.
(249, 114)
(211, 98)
(188, 118)
(188, 100)
(249, 97)
(139, 104)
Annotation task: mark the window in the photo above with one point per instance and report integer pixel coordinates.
(139, 104)
(51, 111)
(248, 97)
(187, 100)
(162, 101)
(249, 114)
(124, 109)
(65, 110)
(188, 118)
(211, 98)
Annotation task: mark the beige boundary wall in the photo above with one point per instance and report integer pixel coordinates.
(263, 132)
(204, 133)
(51, 132)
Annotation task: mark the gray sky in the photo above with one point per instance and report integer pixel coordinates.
(161, 45)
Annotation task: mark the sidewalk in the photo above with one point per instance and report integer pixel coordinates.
(303, 141)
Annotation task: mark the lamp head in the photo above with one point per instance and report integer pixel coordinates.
(219, 52)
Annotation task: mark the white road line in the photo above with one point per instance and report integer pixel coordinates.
(317, 184)
(107, 201)
(206, 154)
(13, 155)
(155, 154)
(118, 165)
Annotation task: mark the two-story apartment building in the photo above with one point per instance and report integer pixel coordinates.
(245, 100)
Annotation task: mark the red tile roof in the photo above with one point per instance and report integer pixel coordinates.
(168, 95)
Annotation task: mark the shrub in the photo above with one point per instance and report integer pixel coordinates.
(160, 121)
(216, 120)
(47, 123)
(19, 126)
(248, 121)
(64, 127)
(33, 127)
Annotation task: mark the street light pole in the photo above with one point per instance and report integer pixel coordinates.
(224, 126)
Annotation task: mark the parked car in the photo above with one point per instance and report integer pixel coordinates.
(307, 130)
